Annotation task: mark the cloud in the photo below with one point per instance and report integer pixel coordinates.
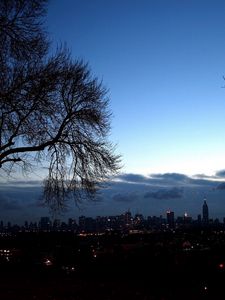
(220, 173)
(21, 183)
(160, 180)
(129, 177)
(171, 177)
(203, 176)
(221, 186)
(145, 193)
(125, 197)
(165, 193)
(8, 204)
(211, 179)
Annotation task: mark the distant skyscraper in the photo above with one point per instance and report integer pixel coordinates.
(127, 218)
(199, 219)
(170, 218)
(205, 213)
(45, 223)
(187, 219)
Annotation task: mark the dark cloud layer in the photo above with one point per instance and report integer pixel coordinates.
(169, 180)
(151, 194)
(171, 176)
(203, 176)
(129, 177)
(21, 183)
(152, 178)
(220, 173)
(221, 186)
(8, 204)
(125, 197)
(165, 194)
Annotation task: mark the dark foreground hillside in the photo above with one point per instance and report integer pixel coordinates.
(157, 265)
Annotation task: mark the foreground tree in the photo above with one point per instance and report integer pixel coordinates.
(51, 109)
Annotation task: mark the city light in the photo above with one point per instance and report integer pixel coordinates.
(47, 262)
(221, 266)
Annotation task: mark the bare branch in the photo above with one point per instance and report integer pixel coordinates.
(51, 106)
(10, 160)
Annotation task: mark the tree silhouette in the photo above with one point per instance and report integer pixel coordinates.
(52, 108)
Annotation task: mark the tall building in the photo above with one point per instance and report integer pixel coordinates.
(138, 220)
(205, 213)
(170, 218)
(72, 225)
(127, 218)
(199, 220)
(82, 222)
(45, 223)
(56, 224)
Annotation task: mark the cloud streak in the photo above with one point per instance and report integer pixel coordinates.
(171, 177)
(220, 173)
(168, 180)
(172, 193)
(221, 186)
(7, 204)
(125, 197)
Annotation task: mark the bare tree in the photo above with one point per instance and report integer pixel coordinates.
(51, 108)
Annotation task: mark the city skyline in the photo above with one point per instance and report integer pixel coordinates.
(168, 217)
(21, 200)
(148, 195)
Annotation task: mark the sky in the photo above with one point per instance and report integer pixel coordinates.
(163, 63)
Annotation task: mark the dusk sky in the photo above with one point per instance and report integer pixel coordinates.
(163, 63)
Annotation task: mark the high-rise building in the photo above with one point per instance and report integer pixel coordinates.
(170, 218)
(199, 220)
(72, 225)
(82, 222)
(205, 213)
(127, 218)
(187, 219)
(56, 224)
(138, 220)
(45, 223)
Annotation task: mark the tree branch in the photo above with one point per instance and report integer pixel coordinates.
(10, 160)
(40, 147)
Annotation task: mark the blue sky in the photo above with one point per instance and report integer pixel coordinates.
(163, 63)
